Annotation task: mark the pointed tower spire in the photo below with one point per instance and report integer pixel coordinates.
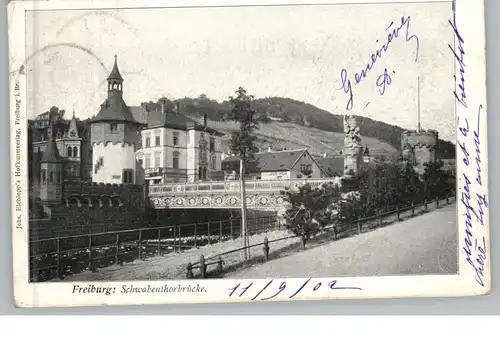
(115, 81)
(51, 154)
(115, 72)
(73, 128)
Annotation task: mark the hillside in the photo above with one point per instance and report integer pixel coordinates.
(287, 135)
(302, 124)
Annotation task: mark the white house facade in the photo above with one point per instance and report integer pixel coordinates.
(175, 148)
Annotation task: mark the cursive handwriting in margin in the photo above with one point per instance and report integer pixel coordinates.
(472, 196)
(270, 290)
(459, 53)
(475, 205)
(394, 33)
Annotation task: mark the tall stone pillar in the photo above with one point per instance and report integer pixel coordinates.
(353, 150)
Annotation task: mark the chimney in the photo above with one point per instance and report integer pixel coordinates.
(205, 120)
(163, 106)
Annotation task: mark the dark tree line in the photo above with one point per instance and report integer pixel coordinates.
(382, 188)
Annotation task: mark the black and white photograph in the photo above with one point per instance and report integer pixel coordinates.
(249, 142)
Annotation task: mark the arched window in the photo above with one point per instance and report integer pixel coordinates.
(70, 152)
(175, 158)
(204, 173)
(75, 151)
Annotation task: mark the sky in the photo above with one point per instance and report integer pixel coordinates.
(288, 51)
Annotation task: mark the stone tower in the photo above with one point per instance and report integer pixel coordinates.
(419, 146)
(115, 137)
(51, 170)
(353, 150)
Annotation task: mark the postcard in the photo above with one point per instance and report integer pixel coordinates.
(238, 151)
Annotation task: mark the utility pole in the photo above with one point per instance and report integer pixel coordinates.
(243, 143)
(243, 206)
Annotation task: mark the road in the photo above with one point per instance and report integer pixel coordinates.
(426, 244)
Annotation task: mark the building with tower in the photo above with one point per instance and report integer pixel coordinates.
(115, 137)
(72, 139)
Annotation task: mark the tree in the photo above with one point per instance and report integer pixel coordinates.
(310, 209)
(411, 186)
(307, 172)
(243, 143)
(437, 182)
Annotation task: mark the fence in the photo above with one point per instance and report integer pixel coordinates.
(60, 256)
(347, 229)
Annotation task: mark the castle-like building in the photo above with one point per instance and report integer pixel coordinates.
(419, 146)
(121, 145)
(72, 140)
(115, 137)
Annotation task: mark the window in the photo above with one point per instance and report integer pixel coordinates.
(44, 178)
(175, 158)
(212, 144)
(51, 177)
(128, 176)
(306, 169)
(70, 152)
(202, 173)
(75, 151)
(213, 162)
(101, 161)
(113, 127)
(140, 162)
(157, 141)
(147, 161)
(148, 142)
(157, 159)
(59, 174)
(176, 138)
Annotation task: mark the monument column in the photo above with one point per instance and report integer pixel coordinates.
(353, 150)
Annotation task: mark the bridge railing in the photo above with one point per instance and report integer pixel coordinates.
(231, 186)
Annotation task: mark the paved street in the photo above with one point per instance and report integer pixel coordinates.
(425, 244)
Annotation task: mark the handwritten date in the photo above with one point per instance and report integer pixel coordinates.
(273, 291)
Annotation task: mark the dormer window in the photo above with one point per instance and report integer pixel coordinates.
(113, 127)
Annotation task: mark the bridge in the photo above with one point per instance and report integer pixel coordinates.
(260, 194)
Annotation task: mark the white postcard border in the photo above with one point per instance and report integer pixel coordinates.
(470, 23)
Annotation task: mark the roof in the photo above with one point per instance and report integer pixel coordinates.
(332, 164)
(140, 114)
(172, 120)
(114, 109)
(115, 72)
(273, 160)
(51, 154)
